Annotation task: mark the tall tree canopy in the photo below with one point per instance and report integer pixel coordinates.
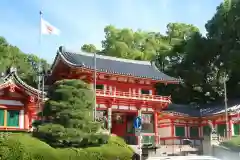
(140, 45)
(25, 63)
(203, 62)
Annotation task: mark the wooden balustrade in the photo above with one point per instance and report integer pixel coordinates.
(109, 93)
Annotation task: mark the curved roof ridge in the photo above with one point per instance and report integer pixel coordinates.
(14, 77)
(141, 69)
(111, 58)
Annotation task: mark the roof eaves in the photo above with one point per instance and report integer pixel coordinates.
(62, 50)
(26, 86)
(13, 78)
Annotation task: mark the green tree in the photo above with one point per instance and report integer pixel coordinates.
(141, 45)
(224, 29)
(12, 56)
(89, 48)
(68, 116)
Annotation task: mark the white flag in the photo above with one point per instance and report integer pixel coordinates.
(47, 28)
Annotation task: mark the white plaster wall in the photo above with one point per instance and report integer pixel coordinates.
(11, 102)
(21, 119)
(164, 121)
(177, 141)
(168, 142)
(164, 132)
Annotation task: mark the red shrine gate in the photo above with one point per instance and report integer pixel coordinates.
(125, 89)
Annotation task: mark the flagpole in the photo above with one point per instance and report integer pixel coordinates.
(39, 65)
(95, 89)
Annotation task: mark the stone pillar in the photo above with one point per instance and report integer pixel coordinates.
(172, 130)
(207, 146)
(139, 114)
(200, 131)
(156, 127)
(230, 124)
(109, 113)
(186, 130)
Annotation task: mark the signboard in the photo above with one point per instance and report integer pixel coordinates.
(137, 132)
(214, 135)
(137, 123)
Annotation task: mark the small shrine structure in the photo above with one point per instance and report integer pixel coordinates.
(180, 122)
(18, 103)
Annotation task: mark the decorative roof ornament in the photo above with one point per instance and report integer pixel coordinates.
(62, 49)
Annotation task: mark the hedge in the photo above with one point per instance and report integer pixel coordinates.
(25, 147)
(233, 143)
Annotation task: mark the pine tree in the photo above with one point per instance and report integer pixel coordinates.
(68, 120)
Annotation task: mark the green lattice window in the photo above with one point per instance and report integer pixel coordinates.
(236, 129)
(206, 130)
(180, 131)
(1, 117)
(148, 140)
(194, 131)
(221, 129)
(12, 118)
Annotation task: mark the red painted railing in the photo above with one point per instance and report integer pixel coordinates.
(108, 93)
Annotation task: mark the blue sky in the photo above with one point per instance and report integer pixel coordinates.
(83, 21)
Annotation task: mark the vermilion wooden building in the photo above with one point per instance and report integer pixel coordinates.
(193, 123)
(125, 89)
(18, 103)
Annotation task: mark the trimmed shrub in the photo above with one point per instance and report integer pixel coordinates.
(17, 146)
(24, 147)
(233, 143)
(73, 154)
(118, 141)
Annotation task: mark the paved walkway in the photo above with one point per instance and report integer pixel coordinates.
(165, 150)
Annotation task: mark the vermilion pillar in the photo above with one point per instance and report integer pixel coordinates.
(156, 127)
(172, 130)
(187, 130)
(26, 118)
(230, 127)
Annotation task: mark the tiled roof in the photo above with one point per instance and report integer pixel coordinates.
(12, 77)
(142, 69)
(184, 110)
(211, 109)
(207, 110)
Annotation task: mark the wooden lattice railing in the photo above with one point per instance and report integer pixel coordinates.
(109, 93)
